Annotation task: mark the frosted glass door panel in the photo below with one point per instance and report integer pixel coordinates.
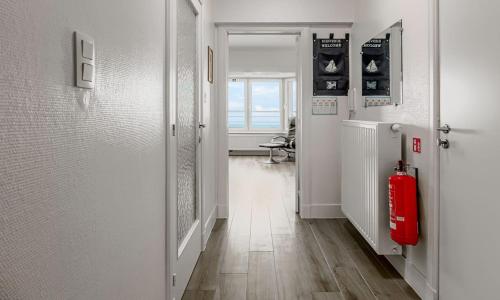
(186, 119)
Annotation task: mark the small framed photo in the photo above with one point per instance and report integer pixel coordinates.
(210, 65)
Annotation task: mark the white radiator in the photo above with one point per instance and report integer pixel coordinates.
(370, 151)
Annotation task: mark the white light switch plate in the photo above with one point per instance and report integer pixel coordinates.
(84, 56)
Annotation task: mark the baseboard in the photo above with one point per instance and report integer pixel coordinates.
(208, 226)
(413, 277)
(323, 211)
(222, 211)
(249, 152)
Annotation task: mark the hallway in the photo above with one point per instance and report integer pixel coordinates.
(264, 251)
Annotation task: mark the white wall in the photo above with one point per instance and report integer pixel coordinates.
(372, 18)
(209, 133)
(321, 145)
(262, 60)
(228, 11)
(82, 192)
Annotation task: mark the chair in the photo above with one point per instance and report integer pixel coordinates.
(282, 143)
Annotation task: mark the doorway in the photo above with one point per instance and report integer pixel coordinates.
(261, 113)
(260, 78)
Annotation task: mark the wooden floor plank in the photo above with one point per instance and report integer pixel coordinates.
(233, 287)
(200, 295)
(348, 234)
(261, 277)
(379, 274)
(381, 283)
(301, 268)
(206, 273)
(335, 253)
(280, 224)
(289, 276)
(243, 217)
(235, 259)
(327, 296)
(351, 284)
(260, 232)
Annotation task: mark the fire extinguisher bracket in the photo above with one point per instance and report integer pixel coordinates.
(412, 171)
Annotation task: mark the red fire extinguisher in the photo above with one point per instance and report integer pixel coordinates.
(403, 207)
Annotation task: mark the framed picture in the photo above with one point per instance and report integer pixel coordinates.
(210, 65)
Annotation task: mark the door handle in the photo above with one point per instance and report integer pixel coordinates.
(443, 143)
(201, 126)
(444, 129)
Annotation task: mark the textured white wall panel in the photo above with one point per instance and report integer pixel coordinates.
(82, 213)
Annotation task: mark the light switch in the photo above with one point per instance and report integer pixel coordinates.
(88, 49)
(87, 72)
(84, 61)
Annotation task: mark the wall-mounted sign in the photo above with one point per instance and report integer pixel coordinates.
(324, 106)
(331, 66)
(376, 67)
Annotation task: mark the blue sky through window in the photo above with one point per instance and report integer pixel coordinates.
(266, 112)
(236, 104)
(264, 108)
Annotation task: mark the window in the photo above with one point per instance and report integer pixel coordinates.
(266, 104)
(236, 104)
(291, 85)
(260, 105)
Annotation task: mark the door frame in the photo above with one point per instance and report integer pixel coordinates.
(432, 292)
(170, 46)
(223, 32)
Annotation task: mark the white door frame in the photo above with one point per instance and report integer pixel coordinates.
(432, 292)
(194, 236)
(223, 31)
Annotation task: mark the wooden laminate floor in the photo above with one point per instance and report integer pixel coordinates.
(265, 251)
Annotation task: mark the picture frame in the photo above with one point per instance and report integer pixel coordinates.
(210, 65)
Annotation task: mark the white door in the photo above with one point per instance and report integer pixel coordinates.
(186, 211)
(469, 261)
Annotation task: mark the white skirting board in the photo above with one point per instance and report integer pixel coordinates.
(413, 277)
(222, 211)
(208, 226)
(321, 211)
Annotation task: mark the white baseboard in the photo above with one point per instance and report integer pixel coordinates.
(249, 152)
(222, 211)
(208, 226)
(322, 211)
(413, 277)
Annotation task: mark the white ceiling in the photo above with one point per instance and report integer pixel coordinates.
(262, 41)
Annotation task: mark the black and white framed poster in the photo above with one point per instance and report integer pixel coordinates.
(330, 66)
